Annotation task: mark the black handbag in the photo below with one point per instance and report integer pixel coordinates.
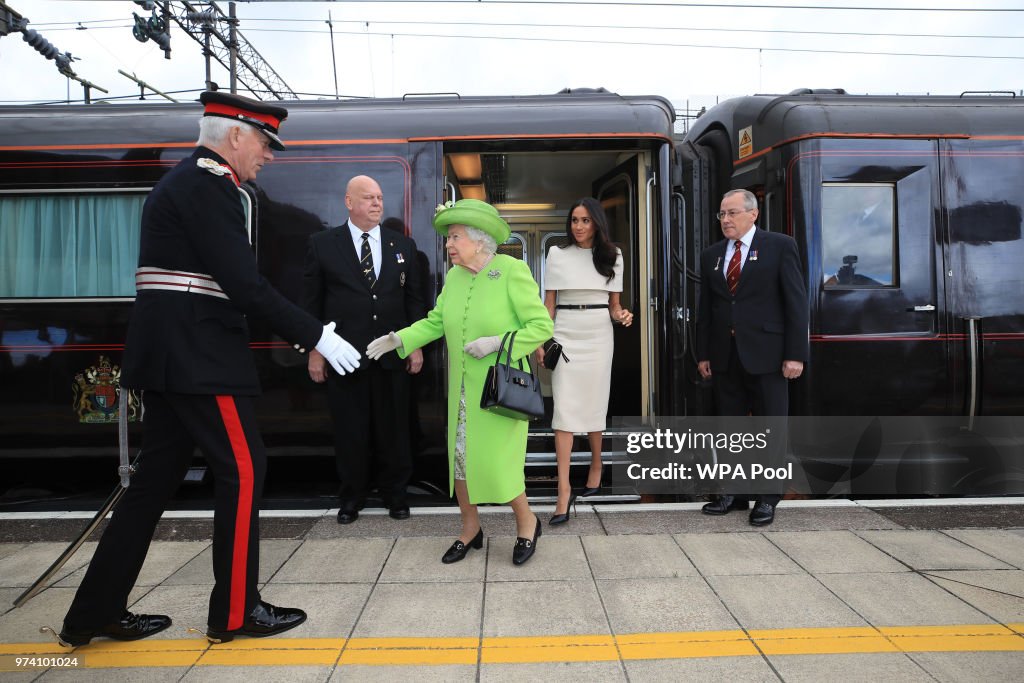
(553, 353)
(512, 392)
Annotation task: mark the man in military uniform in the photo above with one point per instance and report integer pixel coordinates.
(188, 350)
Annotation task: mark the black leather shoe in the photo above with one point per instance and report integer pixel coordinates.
(399, 512)
(525, 547)
(129, 627)
(459, 549)
(349, 511)
(763, 514)
(590, 491)
(564, 517)
(264, 620)
(723, 505)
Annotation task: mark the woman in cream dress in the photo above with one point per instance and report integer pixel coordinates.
(582, 283)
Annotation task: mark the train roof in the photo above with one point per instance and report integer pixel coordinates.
(588, 113)
(777, 119)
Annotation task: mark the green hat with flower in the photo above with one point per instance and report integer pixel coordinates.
(475, 214)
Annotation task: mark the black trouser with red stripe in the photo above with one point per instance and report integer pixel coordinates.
(224, 428)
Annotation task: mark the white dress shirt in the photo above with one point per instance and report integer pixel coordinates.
(744, 251)
(357, 242)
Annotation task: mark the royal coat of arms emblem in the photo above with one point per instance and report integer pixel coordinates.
(96, 391)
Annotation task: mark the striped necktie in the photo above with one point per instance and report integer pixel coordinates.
(732, 275)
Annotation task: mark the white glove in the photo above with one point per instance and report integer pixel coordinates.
(338, 352)
(484, 346)
(381, 345)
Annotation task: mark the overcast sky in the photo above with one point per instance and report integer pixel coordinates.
(686, 52)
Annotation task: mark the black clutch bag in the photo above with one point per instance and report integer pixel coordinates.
(553, 353)
(512, 392)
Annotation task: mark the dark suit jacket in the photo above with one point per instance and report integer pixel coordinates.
(335, 288)
(191, 343)
(769, 311)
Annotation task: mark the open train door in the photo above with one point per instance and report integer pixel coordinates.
(619, 194)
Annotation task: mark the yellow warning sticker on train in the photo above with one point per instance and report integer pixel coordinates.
(746, 140)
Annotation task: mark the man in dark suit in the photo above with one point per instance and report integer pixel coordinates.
(751, 326)
(368, 282)
(188, 350)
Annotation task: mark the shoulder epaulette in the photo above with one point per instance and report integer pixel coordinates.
(214, 167)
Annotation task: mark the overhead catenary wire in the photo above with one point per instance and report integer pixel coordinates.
(717, 46)
(633, 27)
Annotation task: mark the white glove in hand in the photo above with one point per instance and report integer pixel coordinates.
(338, 352)
(381, 345)
(483, 346)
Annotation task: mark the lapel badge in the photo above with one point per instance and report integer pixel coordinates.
(718, 263)
(399, 257)
(401, 279)
(494, 274)
(752, 256)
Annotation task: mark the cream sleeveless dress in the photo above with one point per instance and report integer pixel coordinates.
(580, 387)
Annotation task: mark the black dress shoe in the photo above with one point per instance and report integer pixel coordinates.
(590, 491)
(564, 517)
(763, 514)
(459, 549)
(399, 512)
(525, 547)
(264, 620)
(129, 627)
(347, 515)
(723, 505)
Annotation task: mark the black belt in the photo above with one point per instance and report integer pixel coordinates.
(581, 307)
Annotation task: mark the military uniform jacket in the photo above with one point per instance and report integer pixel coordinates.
(335, 288)
(182, 342)
(768, 312)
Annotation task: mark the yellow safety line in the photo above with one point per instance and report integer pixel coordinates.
(534, 649)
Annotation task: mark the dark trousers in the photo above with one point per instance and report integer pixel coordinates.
(224, 428)
(370, 411)
(738, 392)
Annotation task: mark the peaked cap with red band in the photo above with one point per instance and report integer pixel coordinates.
(264, 117)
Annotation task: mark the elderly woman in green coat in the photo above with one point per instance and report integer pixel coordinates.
(485, 295)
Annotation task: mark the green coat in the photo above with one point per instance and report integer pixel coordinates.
(503, 297)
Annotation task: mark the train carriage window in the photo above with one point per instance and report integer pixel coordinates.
(69, 245)
(858, 235)
(514, 246)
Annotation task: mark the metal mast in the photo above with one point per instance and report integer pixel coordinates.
(218, 33)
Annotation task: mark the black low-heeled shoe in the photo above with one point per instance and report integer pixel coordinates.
(459, 549)
(525, 547)
(130, 626)
(564, 517)
(264, 620)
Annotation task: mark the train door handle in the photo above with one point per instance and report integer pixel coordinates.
(927, 308)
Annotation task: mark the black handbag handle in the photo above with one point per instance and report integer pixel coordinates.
(511, 337)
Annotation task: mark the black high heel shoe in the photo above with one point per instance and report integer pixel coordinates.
(525, 547)
(593, 490)
(459, 549)
(564, 517)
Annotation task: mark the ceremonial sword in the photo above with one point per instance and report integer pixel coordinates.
(125, 471)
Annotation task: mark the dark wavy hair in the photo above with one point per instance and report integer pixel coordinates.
(605, 253)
